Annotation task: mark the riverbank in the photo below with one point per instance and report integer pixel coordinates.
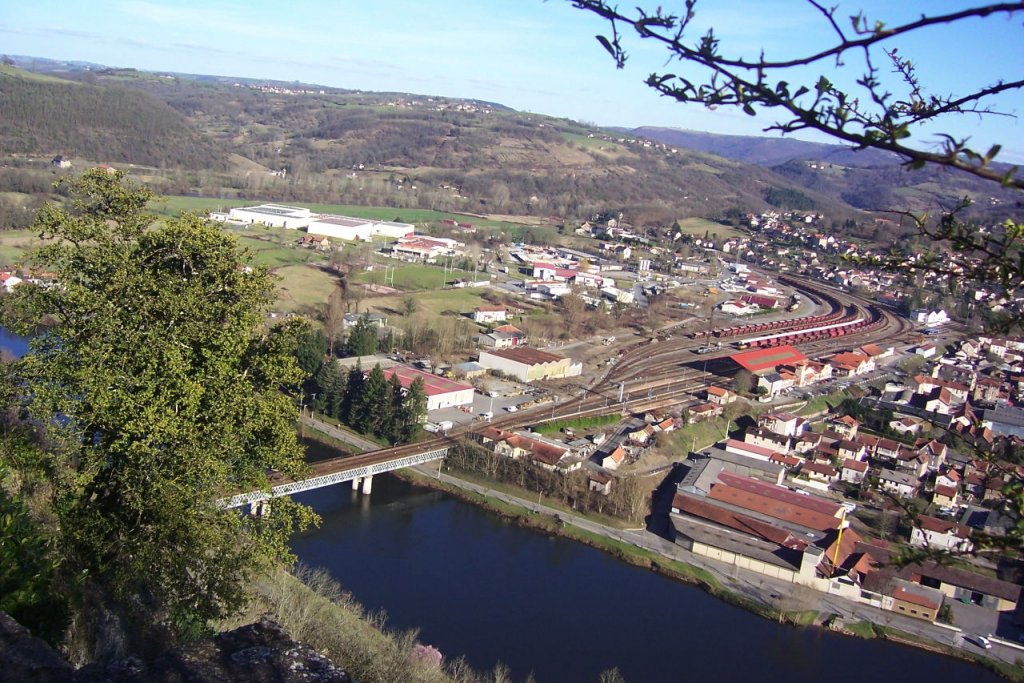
(770, 599)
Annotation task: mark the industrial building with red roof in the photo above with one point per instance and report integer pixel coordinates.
(760, 361)
(441, 392)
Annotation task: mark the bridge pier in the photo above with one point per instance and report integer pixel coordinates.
(259, 508)
(365, 482)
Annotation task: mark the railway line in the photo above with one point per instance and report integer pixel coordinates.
(661, 374)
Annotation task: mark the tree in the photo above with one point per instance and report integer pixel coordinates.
(362, 340)
(743, 382)
(409, 306)
(160, 387)
(334, 318)
(414, 408)
(874, 114)
(311, 350)
(368, 404)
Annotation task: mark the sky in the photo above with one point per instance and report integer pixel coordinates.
(532, 55)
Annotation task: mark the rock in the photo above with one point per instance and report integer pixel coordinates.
(257, 653)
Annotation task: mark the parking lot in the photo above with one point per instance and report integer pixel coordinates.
(499, 398)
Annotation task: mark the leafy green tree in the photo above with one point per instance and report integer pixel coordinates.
(362, 340)
(414, 408)
(160, 387)
(353, 391)
(310, 352)
(391, 428)
(29, 571)
(368, 406)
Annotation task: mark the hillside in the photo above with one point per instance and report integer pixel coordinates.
(392, 149)
(865, 179)
(44, 115)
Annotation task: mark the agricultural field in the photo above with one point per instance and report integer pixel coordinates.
(170, 206)
(430, 305)
(698, 226)
(303, 290)
(14, 244)
(409, 277)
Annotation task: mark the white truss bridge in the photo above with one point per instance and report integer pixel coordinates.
(362, 472)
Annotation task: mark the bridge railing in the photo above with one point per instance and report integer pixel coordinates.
(331, 478)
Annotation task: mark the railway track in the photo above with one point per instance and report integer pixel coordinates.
(653, 375)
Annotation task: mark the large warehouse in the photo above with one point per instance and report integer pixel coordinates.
(341, 227)
(441, 392)
(527, 365)
(274, 215)
(348, 228)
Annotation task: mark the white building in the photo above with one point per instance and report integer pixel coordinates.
(273, 215)
(365, 229)
(931, 532)
(441, 392)
(929, 318)
(527, 365)
(341, 227)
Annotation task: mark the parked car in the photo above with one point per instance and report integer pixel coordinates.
(511, 409)
(980, 641)
(487, 416)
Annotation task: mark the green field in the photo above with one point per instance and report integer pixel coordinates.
(698, 226)
(170, 206)
(431, 304)
(303, 290)
(408, 276)
(14, 244)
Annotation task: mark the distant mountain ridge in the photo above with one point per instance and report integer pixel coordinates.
(305, 142)
(762, 150)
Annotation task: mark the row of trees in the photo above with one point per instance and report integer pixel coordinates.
(629, 498)
(369, 402)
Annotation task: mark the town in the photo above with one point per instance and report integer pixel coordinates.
(825, 422)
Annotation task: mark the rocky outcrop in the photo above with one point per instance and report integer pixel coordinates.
(257, 653)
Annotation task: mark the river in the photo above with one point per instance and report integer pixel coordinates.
(479, 586)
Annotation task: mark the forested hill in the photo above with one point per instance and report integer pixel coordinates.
(43, 115)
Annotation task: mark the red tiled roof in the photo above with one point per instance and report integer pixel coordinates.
(760, 360)
(738, 522)
(750, 448)
(825, 507)
(784, 512)
(819, 468)
(914, 599)
(855, 465)
(432, 384)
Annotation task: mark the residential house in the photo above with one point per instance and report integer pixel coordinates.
(600, 482)
(615, 459)
(946, 496)
(768, 439)
(782, 423)
(489, 314)
(819, 472)
(934, 450)
(931, 532)
(902, 484)
(705, 411)
(845, 425)
(720, 396)
(854, 471)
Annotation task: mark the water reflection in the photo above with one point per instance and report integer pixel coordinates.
(478, 585)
